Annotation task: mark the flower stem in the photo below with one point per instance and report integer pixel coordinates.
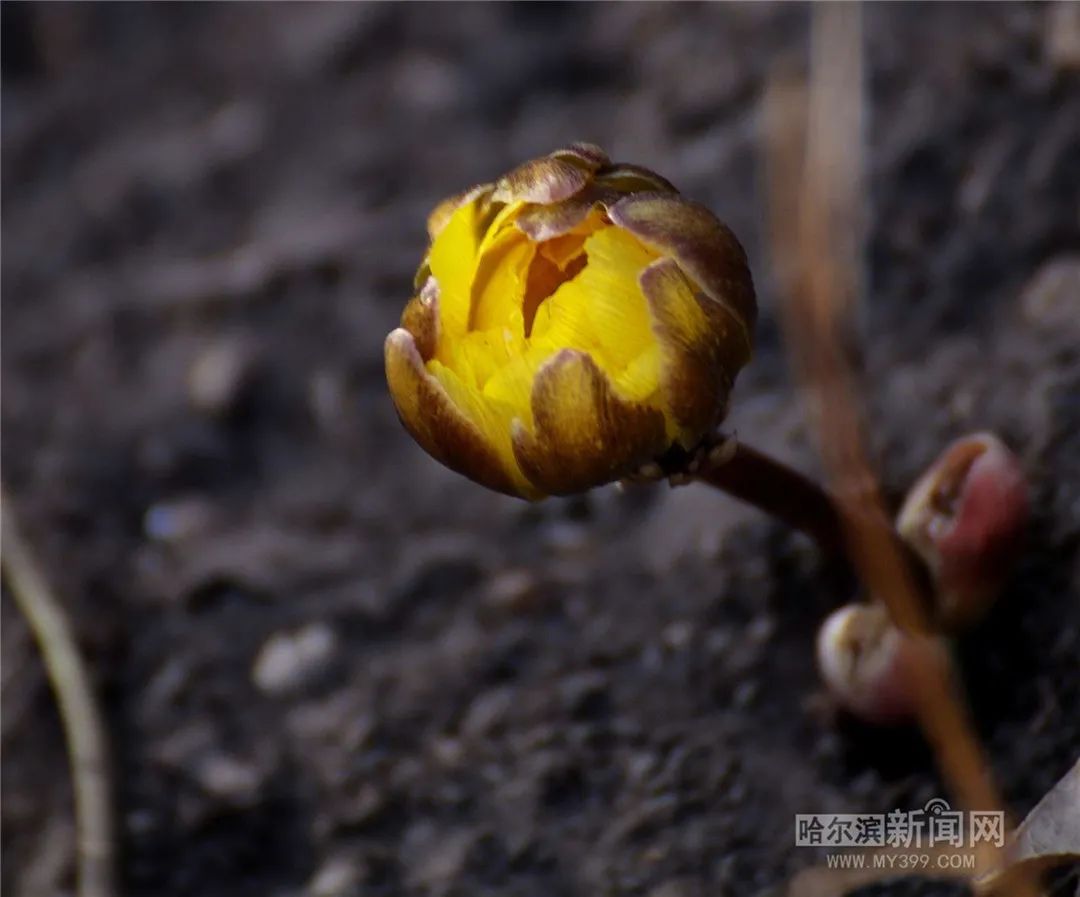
(753, 477)
(777, 489)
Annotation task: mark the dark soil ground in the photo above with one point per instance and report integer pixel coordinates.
(332, 667)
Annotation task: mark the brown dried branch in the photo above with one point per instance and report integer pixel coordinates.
(815, 219)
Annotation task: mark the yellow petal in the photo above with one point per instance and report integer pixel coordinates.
(441, 422)
(510, 387)
(602, 310)
(499, 282)
(501, 226)
(453, 261)
(639, 381)
(479, 355)
(491, 419)
(560, 251)
(444, 211)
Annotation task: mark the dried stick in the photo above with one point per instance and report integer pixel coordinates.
(83, 727)
(815, 212)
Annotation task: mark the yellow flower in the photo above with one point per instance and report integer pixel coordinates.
(574, 321)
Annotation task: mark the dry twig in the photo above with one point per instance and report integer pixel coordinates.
(815, 211)
(83, 727)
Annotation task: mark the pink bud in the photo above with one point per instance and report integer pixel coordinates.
(866, 663)
(964, 517)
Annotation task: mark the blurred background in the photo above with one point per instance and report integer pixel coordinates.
(331, 667)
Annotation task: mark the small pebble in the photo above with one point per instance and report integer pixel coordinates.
(719, 641)
(337, 877)
(219, 376)
(366, 806)
(487, 712)
(441, 861)
(447, 751)
(761, 629)
(229, 779)
(512, 590)
(174, 521)
(1051, 298)
(289, 659)
(677, 635)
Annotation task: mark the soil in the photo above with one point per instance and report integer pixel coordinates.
(331, 666)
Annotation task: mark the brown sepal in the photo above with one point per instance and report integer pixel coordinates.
(588, 155)
(421, 318)
(706, 249)
(435, 422)
(584, 435)
(703, 347)
(625, 178)
(545, 222)
(547, 180)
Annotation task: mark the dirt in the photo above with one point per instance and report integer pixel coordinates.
(332, 667)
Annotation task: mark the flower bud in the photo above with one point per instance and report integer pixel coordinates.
(964, 518)
(574, 321)
(866, 663)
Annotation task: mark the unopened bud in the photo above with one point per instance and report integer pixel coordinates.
(573, 322)
(964, 518)
(867, 664)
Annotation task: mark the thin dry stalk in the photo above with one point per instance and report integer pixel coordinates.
(814, 147)
(83, 727)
